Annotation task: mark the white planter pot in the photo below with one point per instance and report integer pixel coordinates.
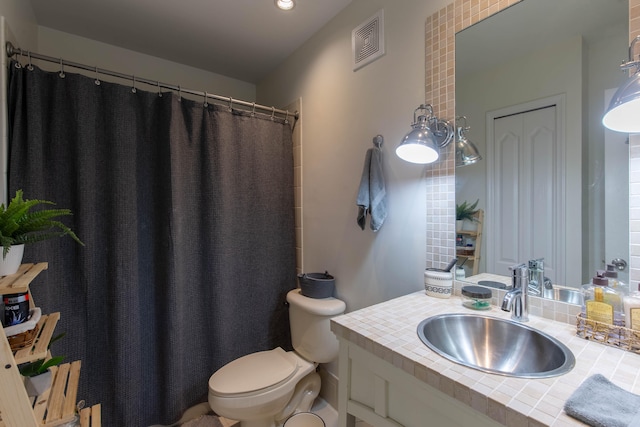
(37, 385)
(469, 225)
(459, 224)
(11, 263)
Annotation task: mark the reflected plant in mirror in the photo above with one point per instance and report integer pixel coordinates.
(533, 82)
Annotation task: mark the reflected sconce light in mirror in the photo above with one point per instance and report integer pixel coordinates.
(466, 151)
(623, 114)
(429, 134)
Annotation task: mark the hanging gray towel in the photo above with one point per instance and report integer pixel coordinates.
(372, 196)
(600, 403)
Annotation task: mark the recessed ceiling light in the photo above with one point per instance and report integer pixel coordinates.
(285, 4)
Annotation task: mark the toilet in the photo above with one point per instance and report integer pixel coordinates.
(263, 389)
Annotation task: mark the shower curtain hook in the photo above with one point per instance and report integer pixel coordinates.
(179, 93)
(253, 110)
(273, 113)
(29, 67)
(97, 81)
(286, 118)
(61, 73)
(18, 64)
(230, 104)
(159, 90)
(133, 88)
(206, 104)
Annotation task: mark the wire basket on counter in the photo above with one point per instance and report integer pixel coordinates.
(611, 335)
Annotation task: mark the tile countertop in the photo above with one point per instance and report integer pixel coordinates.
(388, 330)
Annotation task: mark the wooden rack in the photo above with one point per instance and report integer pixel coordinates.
(57, 405)
(476, 235)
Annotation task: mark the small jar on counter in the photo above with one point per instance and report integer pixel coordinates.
(438, 283)
(476, 297)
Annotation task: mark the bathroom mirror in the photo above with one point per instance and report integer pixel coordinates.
(533, 81)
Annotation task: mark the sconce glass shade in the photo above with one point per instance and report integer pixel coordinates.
(466, 151)
(419, 145)
(623, 114)
(285, 4)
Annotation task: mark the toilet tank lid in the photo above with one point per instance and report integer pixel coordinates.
(320, 306)
(253, 372)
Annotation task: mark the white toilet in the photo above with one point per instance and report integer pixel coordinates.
(262, 389)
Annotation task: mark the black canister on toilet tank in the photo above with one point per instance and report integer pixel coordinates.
(16, 308)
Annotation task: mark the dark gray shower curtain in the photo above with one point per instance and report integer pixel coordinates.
(188, 219)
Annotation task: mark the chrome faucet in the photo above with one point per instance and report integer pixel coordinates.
(517, 299)
(537, 282)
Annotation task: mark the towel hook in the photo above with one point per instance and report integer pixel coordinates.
(378, 140)
(61, 73)
(206, 104)
(97, 80)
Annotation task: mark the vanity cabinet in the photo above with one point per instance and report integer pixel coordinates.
(57, 405)
(385, 395)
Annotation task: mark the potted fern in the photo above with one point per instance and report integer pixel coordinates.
(465, 215)
(21, 224)
(37, 375)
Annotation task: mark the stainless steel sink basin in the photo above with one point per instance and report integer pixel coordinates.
(565, 295)
(495, 345)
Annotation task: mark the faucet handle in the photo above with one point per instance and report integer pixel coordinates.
(536, 264)
(519, 270)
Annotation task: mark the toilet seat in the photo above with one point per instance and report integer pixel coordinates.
(253, 373)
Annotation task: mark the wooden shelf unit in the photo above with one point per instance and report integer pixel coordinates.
(57, 405)
(477, 236)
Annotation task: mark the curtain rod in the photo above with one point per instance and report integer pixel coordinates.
(12, 51)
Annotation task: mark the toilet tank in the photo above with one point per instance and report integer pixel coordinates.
(310, 326)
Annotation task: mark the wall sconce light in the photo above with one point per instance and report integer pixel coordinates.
(623, 114)
(429, 134)
(466, 151)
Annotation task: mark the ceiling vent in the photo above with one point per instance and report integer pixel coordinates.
(367, 41)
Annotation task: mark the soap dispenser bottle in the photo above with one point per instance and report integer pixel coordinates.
(612, 275)
(602, 303)
(632, 310)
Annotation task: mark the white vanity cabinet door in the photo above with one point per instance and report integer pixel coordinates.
(383, 395)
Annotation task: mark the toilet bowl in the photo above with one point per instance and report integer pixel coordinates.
(263, 389)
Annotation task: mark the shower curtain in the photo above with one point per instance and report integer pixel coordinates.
(187, 214)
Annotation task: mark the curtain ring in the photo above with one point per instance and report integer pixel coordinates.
(230, 104)
(29, 67)
(159, 90)
(253, 110)
(61, 73)
(273, 113)
(206, 104)
(97, 81)
(133, 88)
(18, 64)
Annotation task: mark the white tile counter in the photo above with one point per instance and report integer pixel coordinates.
(388, 331)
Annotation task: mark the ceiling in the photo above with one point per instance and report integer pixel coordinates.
(242, 39)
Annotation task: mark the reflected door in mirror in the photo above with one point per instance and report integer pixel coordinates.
(525, 192)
